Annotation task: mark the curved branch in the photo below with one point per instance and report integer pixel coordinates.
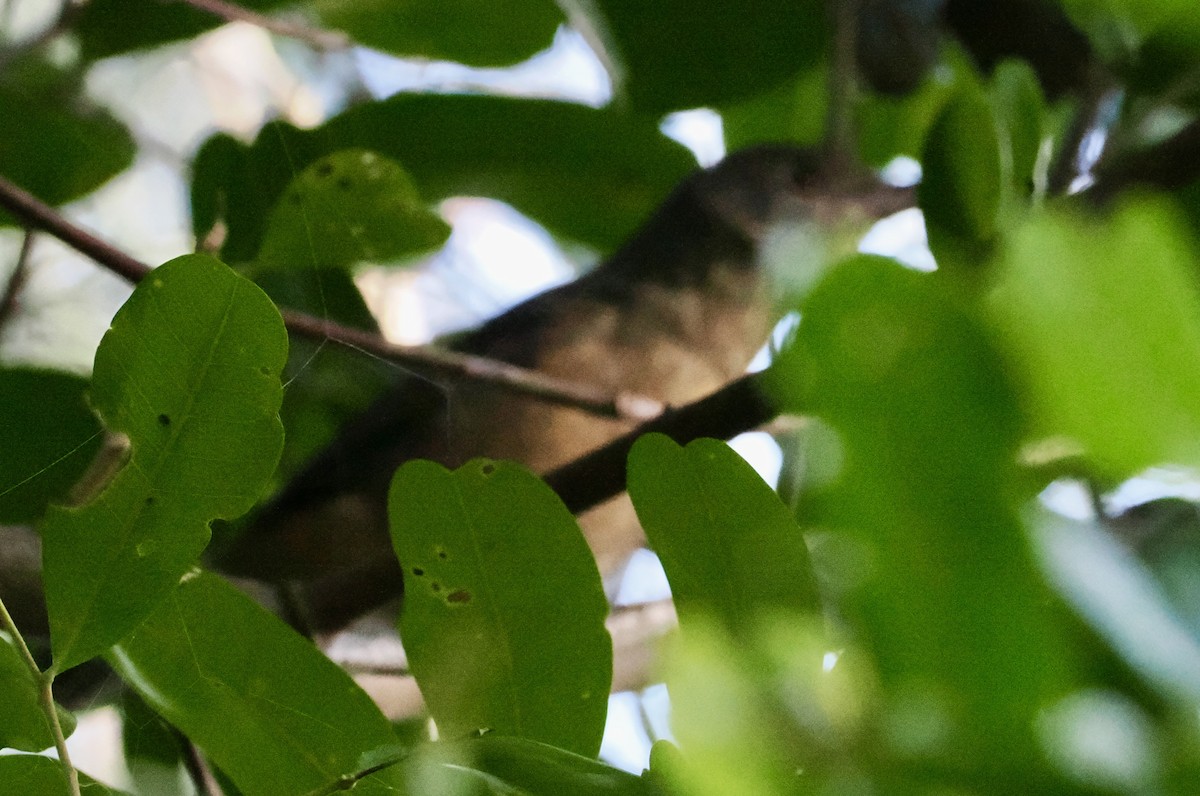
(622, 405)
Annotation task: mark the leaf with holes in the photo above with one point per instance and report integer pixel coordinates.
(189, 373)
(504, 611)
(348, 207)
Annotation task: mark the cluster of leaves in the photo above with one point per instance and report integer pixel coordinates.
(912, 622)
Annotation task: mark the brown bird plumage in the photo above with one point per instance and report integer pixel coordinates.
(675, 314)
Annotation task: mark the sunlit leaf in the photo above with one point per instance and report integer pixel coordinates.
(922, 539)
(1102, 322)
(503, 616)
(729, 547)
(266, 706)
(189, 373)
(348, 207)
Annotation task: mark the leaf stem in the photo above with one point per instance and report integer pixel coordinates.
(45, 697)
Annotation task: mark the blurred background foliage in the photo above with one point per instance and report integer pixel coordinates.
(981, 574)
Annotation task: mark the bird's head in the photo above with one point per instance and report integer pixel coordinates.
(756, 188)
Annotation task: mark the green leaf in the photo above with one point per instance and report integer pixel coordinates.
(504, 610)
(22, 724)
(729, 547)
(1119, 597)
(674, 54)
(23, 775)
(349, 207)
(935, 574)
(189, 373)
(48, 435)
(111, 27)
(56, 148)
(1020, 111)
(489, 33)
(591, 175)
(1109, 351)
(153, 749)
(266, 706)
(960, 188)
(327, 384)
(889, 127)
(793, 111)
(516, 765)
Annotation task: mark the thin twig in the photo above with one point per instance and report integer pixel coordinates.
(45, 681)
(842, 85)
(319, 38)
(622, 405)
(16, 280)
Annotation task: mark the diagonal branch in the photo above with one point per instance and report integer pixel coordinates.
(231, 12)
(35, 214)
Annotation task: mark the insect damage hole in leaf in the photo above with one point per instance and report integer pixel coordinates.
(503, 620)
(207, 346)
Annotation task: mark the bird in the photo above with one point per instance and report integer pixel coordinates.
(674, 314)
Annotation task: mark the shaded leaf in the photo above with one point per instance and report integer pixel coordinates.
(487, 33)
(729, 547)
(591, 175)
(22, 775)
(503, 616)
(1020, 111)
(793, 111)
(675, 54)
(54, 147)
(960, 186)
(348, 207)
(189, 372)
(327, 384)
(111, 27)
(48, 435)
(491, 33)
(889, 127)
(22, 724)
(1102, 321)
(268, 708)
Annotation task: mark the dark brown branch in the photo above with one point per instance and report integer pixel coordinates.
(37, 215)
(590, 480)
(16, 280)
(330, 602)
(230, 12)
